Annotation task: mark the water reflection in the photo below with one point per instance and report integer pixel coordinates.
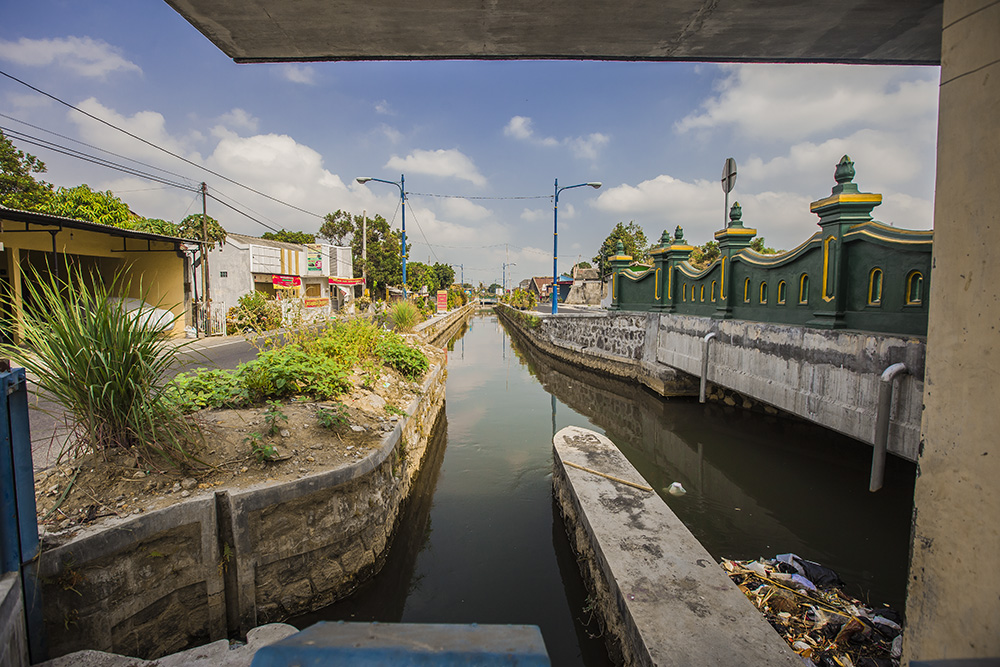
(757, 485)
(482, 542)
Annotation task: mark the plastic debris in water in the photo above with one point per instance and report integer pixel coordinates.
(676, 489)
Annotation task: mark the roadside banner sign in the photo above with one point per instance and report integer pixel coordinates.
(442, 300)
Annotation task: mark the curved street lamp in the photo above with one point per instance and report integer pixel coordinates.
(402, 200)
(555, 239)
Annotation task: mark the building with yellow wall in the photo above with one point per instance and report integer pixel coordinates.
(151, 264)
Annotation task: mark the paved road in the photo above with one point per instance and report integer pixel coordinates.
(47, 421)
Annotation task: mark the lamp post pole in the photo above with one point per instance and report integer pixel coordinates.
(401, 184)
(555, 238)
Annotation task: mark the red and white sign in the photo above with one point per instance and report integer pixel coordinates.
(347, 281)
(286, 282)
(442, 301)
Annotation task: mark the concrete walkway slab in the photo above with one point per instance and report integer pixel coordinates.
(664, 596)
(216, 654)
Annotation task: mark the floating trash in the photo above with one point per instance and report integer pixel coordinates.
(803, 601)
(676, 489)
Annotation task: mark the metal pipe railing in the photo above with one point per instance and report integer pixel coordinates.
(704, 366)
(885, 395)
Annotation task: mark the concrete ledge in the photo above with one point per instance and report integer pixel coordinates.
(663, 598)
(438, 329)
(220, 564)
(13, 634)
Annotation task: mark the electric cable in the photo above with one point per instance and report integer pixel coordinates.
(159, 148)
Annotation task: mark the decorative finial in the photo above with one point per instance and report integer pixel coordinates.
(845, 170)
(679, 236)
(735, 215)
(620, 248)
(665, 240)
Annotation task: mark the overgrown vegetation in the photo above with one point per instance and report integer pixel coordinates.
(521, 299)
(403, 316)
(316, 367)
(103, 364)
(253, 313)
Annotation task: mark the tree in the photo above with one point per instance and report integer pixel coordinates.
(286, 236)
(584, 265)
(705, 254)
(154, 226)
(82, 203)
(191, 228)
(420, 275)
(758, 245)
(631, 236)
(384, 262)
(18, 188)
(492, 289)
(445, 275)
(337, 227)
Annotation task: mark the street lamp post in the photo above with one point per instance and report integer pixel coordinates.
(555, 238)
(402, 199)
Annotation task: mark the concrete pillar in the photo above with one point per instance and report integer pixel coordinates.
(953, 601)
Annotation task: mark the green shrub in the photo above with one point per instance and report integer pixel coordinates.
(409, 361)
(254, 313)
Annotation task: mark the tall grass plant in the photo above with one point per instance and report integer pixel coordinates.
(106, 366)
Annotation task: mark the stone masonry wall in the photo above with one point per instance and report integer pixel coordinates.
(220, 564)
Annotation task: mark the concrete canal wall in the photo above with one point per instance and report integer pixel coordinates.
(439, 329)
(661, 596)
(829, 377)
(220, 564)
(13, 634)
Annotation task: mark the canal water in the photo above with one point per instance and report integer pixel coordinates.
(482, 542)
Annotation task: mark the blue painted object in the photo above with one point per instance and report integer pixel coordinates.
(18, 522)
(406, 644)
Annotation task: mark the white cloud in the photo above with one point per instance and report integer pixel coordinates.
(81, 55)
(587, 147)
(465, 209)
(790, 102)
(664, 202)
(150, 125)
(390, 133)
(304, 74)
(583, 147)
(240, 119)
(536, 214)
(450, 163)
(382, 107)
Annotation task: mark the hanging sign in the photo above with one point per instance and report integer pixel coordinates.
(442, 300)
(314, 260)
(347, 281)
(286, 282)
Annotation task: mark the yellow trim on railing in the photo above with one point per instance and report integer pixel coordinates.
(826, 269)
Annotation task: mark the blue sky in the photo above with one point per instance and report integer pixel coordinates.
(656, 135)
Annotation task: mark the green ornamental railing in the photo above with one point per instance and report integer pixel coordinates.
(854, 273)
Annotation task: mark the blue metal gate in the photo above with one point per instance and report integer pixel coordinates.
(18, 521)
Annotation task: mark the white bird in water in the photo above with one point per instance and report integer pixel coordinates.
(676, 489)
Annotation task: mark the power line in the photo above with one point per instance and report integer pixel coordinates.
(229, 206)
(426, 242)
(98, 148)
(159, 148)
(427, 194)
(72, 152)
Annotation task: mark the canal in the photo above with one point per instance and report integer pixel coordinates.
(481, 540)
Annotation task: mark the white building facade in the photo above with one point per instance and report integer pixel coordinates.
(313, 280)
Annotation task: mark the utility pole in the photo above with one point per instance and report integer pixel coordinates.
(364, 251)
(204, 258)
